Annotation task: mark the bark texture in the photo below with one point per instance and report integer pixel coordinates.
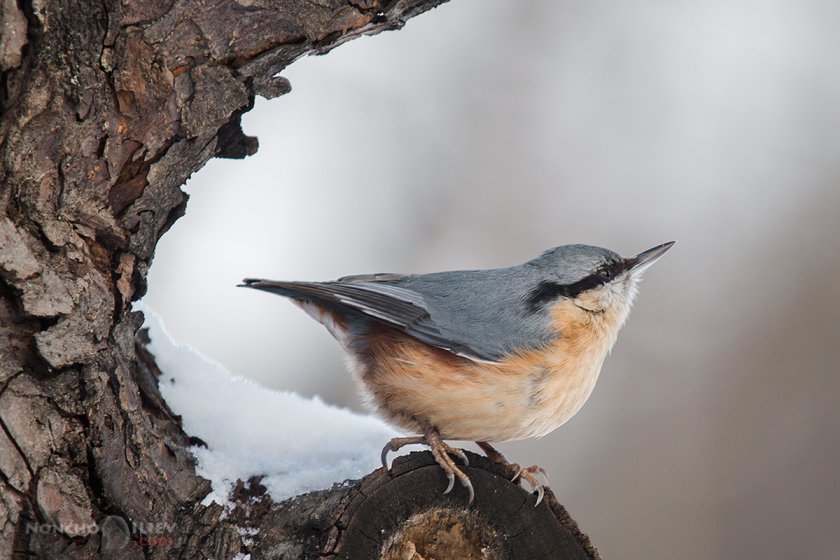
(107, 108)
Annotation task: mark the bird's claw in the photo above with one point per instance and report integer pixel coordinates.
(463, 479)
(441, 452)
(540, 495)
(451, 485)
(396, 444)
(468, 485)
(527, 474)
(460, 454)
(530, 470)
(384, 456)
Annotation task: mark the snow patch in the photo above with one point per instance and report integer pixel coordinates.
(297, 444)
(248, 534)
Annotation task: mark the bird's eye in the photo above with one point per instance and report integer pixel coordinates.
(605, 273)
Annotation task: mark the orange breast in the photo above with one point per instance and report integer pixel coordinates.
(525, 395)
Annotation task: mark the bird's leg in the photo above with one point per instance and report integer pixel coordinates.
(441, 451)
(526, 474)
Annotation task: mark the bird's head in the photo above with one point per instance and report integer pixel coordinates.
(594, 279)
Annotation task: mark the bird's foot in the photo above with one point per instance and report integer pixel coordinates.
(537, 486)
(527, 474)
(398, 443)
(441, 451)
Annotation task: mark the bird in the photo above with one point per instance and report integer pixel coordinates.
(489, 356)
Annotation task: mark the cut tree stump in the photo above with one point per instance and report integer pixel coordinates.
(410, 516)
(403, 514)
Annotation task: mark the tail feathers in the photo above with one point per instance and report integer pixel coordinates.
(313, 292)
(294, 290)
(306, 296)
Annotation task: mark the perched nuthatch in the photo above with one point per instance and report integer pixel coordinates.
(483, 355)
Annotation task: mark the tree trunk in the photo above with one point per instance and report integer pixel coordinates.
(107, 108)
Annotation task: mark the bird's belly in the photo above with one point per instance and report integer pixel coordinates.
(526, 396)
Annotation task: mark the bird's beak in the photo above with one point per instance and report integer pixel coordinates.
(643, 260)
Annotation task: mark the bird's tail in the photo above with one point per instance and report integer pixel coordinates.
(311, 297)
(294, 290)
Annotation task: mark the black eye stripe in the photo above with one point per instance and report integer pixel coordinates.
(548, 290)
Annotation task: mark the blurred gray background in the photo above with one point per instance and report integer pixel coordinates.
(487, 131)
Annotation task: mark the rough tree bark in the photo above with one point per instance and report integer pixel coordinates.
(107, 108)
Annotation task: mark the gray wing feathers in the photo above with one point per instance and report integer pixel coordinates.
(393, 305)
(474, 314)
(373, 303)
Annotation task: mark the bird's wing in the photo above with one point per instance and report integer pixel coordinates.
(392, 305)
(464, 322)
